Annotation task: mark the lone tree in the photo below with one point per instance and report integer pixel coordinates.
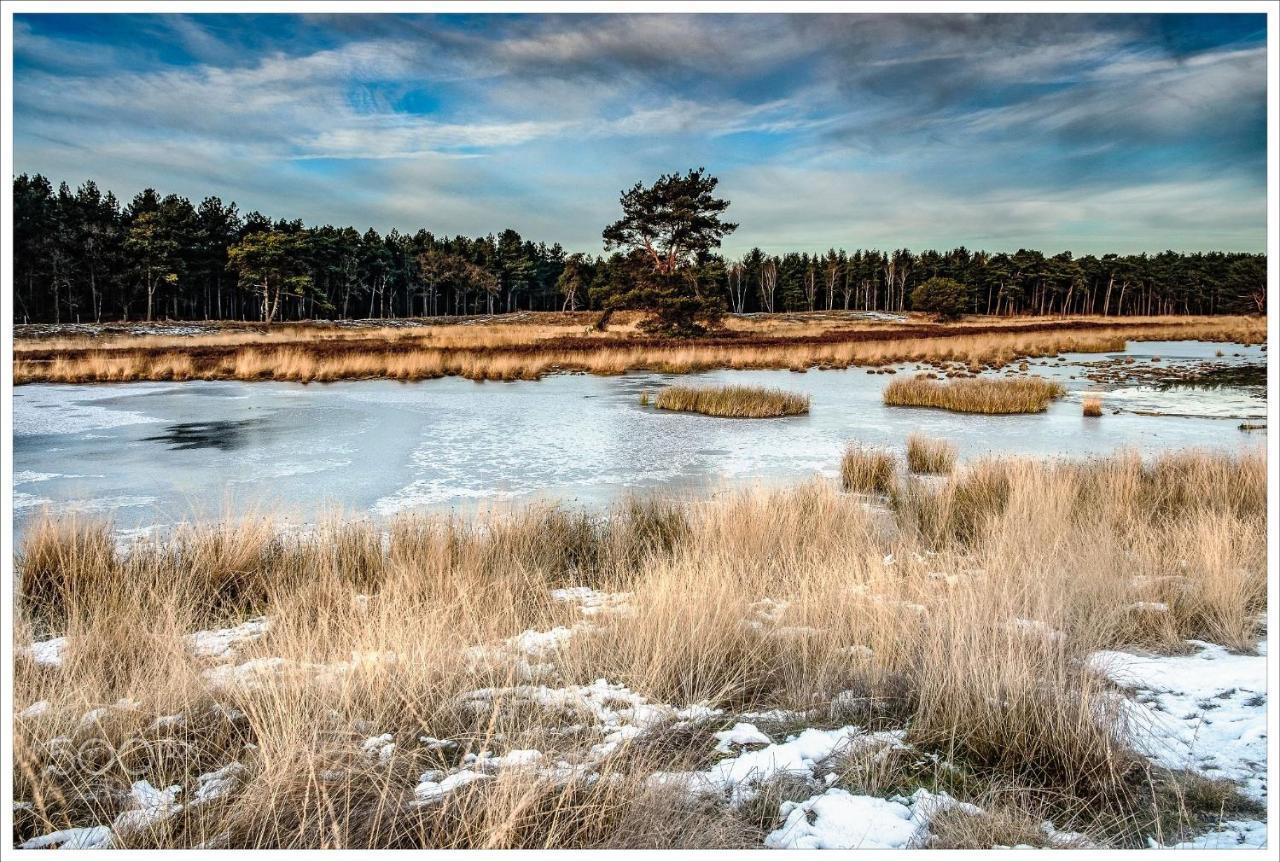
(667, 228)
(945, 297)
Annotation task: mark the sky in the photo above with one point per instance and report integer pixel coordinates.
(1089, 133)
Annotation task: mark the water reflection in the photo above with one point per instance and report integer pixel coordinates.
(223, 435)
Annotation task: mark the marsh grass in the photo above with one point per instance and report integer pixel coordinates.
(529, 346)
(737, 402)
(983, 395)
(1092, 405)
(869, 471)
(371, 628)
(929, 455)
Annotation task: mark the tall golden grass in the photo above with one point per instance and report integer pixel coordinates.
(929, 455)
(985, 395)
(754, 600)
(524, 350)
(869, 471)
(737, 402)
(1091, 405)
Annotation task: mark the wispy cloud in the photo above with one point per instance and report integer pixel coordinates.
(844, 129)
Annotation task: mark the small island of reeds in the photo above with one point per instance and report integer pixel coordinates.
(736, 402)
(1026, 395)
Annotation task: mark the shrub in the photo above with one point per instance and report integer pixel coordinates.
(945, 297)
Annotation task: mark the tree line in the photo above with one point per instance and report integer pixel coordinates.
(82, 256)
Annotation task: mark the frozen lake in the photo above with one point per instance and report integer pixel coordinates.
(154, 454)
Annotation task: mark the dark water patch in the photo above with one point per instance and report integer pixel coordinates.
(224, 435)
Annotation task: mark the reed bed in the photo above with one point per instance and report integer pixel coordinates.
(986, 395)
(736, 402)
(397, 652)
(1091, 405)
(929, 455)
(526, 351)
(869, 471)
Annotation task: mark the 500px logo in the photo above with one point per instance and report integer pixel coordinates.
(132, 756)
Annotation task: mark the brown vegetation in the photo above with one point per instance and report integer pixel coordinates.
(755, 600)
(869, 471)
(1092, 405)
(927, 455)
(531, 345)
(737, 402)
(985, 395)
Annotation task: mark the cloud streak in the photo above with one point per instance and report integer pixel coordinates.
(1075, 131)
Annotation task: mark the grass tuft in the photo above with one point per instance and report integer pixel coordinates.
(927, 455)
(1092, 405)
(870, 471)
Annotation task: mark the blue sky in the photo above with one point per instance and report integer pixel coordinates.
(1084, 132)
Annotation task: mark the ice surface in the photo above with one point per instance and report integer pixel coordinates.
(383, 447)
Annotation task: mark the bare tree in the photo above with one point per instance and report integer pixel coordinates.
(768, 283)
(831, 270)
(737, 287)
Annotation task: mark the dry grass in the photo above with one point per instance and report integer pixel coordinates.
(869, 471)
(531, 345)
(928, 455)
(985, 395)
(1092, 405)
(371, 631)
(737, 402)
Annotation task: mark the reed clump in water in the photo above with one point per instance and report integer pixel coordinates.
(929, 455)
(388, 658)
(1092, 405)
(978, 395)
(737, 402)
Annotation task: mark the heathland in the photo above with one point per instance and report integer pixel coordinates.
(527, 346)
(756, 667)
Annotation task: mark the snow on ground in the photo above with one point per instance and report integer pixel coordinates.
(593, 602)
(839, 820)
(1205, 712)
(149, 807)
(80, 838)
(616, 712)
(739, 778)
(1231, 835)
(222, 643)
(217, 783)
(260, 672)
(48, 653)
(741, 734)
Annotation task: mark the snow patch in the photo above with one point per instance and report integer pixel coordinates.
(49, 653)
(839, 820)
(222, 643)
(1205, 712)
